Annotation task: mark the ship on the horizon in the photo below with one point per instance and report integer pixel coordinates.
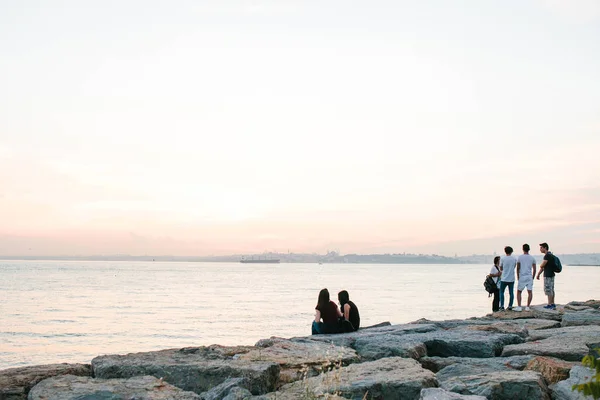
(259, 260)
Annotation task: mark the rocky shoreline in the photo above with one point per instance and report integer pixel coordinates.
(507, 355)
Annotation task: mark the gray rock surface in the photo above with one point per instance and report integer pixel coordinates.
(230, 386)
(590, 303)
(441, 394)
(585, 317)
(69, 387)
(563, 389)
(474, 366)
(568, 343)
(300, 357)
(387, 378)
(436, 364)
(503, 385)
(196, 369)
(238, 393)
(15, 383)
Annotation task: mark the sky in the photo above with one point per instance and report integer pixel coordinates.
(231, 127)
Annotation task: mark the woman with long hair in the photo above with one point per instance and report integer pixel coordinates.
(495, 273)
(327, 311)
(349, 310)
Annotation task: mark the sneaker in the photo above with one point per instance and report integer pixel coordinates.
(527, 309)
(501, 309)
(548, 306)
(518, 309)
(509, 308)
(553, 306)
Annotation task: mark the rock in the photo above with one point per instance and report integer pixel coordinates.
(15, 383)
(69, 387)
(544, 313)
(348, 339)
(301, 357)
(568, 344)
(435, 364)
(387, 378)
(513, 315)
(230, 386)
(552, 369)
(501, 327)
(237, 393)
(590, 303)
(197, 369)
(570, 307)
(563, 389)
(502, 385)
(376, 347)
(441, 394)
(587, 317)
(475, 366)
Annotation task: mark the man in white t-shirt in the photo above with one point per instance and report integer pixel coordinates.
(507, 266)
(525, 273)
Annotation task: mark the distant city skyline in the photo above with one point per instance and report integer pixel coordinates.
(215, 128)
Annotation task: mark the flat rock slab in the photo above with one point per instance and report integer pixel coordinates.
(301, 357)
(436, 343)
(579, 318)
(569, 344)
(552, 369)
(590, 303)
(436, 364)
(563, 389)
(474, 366)
(502, 385)
(232, 388)
(197, 369)
(441, 394)
(348, 339)
(387, 378)
(15, 383)
(69, 387)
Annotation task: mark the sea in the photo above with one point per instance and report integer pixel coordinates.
(73, 311)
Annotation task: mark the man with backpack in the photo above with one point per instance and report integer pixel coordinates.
(548, 266)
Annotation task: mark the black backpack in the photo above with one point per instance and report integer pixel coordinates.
(557, 265)
(489, 285)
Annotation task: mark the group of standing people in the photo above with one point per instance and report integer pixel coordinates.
(503, 273)
(331, 319)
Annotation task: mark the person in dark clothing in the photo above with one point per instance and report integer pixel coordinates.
(349, 310)
(327, 311)
(495, 273)
(547, 267)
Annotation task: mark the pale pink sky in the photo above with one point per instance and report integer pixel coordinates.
(142, 128)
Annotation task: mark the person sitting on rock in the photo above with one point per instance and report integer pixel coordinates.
(350, 312)
(329, 312)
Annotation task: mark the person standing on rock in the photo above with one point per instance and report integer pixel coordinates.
(547, 267)
(328, 311)
(495, 274)
(525, 273)
(507, 266)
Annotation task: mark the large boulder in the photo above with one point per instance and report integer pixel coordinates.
(502, 385)
(232, 388)
(387, 378)
(464, 343)
(590, 303)
(69, 387)
(568, 344)
(15, 383)
(441, 394)
(586, 317)
(563, 390)
(301, 357)
(436, 364)
(552, 369)
(196, 369)
(474, 366)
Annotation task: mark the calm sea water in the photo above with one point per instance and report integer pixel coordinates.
(72, 311)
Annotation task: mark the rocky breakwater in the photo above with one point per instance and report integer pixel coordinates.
(507, 355)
